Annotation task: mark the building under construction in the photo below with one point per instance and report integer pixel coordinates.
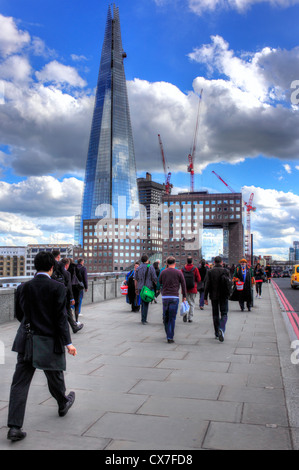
(189, 213)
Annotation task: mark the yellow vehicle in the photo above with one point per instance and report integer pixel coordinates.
(295, 276)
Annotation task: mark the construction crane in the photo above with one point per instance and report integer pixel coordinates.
(249, 209)
(191, 156)
(168, 185)
(231, 189)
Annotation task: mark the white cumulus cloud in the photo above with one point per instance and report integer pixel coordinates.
(58, 73)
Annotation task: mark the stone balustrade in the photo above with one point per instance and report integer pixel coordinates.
(99, 290)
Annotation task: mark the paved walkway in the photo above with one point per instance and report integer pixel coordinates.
(135, 391)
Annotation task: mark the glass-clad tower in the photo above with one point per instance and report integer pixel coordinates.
(110, 167)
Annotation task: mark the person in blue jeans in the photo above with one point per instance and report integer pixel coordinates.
(171, 280)
(145, 275)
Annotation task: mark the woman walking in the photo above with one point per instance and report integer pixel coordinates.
(132, 297)
(258, 274)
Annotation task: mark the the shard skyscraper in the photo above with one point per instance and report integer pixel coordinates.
(110, 167)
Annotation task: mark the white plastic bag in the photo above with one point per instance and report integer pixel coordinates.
(185, 307)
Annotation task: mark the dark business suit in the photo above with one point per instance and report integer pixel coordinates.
(218, 300)
(43, 300)
(70, 295)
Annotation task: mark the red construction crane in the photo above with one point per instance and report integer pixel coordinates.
(231, 189)
(249, 208)
(191, 156)
(168, 186)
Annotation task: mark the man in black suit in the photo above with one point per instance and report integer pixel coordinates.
(219, 297)
(70, 296)
(43, 300)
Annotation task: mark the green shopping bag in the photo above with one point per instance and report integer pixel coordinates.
(146, 294)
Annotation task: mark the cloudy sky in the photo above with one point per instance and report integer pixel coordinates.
(243, 54)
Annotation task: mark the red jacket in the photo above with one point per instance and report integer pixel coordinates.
(197, 278)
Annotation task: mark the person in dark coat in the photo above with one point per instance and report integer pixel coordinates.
(157, 290)
(259, 276)
(43, 300)
(243, 274)
(201, 286)
(72, 294)
(132, 298)
(218, 296)
(268, 271)
(82, 276)
(145, 276)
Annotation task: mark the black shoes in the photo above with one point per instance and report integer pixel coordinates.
(69, 403)
(170, 340)
(16, 434)
(220, 335)
(78, 328)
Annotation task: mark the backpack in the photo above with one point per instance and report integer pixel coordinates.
(225, 286)
(189, 278)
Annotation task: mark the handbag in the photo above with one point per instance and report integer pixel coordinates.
(44, 356)
(146, 294)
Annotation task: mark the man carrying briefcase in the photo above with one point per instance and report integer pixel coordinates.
(42, 302)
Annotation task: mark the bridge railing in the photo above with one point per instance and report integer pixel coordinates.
(101, 287)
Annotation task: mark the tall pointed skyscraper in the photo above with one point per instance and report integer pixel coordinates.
(110, 167)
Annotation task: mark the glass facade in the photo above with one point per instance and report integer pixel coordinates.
(110, 168)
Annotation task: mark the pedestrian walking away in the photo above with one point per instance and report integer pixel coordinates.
(145, 276)
(259, 277)
(171, 280)
(62, 275)
(41, 308)
(156, 265)
(268, 271)
(77, 287)
(132, 298)
(192, 278)
(243, 285)
(217, 287)
(82, 276)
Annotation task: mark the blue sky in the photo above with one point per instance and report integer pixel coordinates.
(244, 55)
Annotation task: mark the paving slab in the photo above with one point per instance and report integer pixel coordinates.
(134, 391)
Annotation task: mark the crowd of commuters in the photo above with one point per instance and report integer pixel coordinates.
(49, 305)
(219, 283)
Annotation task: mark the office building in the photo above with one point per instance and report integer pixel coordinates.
(186, 215)
(12, 261)
(66, 251)
(150, 196)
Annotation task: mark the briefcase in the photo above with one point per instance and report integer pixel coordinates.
(44, 356)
